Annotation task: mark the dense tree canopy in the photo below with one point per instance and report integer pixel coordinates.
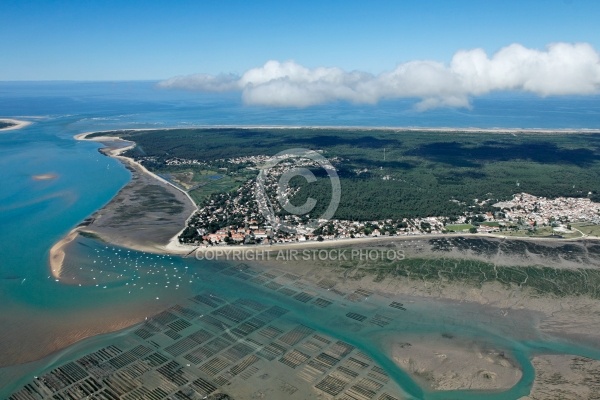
(397, 174)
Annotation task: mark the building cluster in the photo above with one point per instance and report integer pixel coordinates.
(175, 161)
(252, 213)
(541, 211)
(235, 219)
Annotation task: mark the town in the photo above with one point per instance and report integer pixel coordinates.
(239, 217)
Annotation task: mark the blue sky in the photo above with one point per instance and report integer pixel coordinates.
(125, 40)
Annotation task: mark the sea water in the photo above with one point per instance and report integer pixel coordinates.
(34, 214)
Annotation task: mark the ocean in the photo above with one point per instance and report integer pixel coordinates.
(35, 214)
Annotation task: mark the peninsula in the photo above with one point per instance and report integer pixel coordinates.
(394, 182)
(543, 283)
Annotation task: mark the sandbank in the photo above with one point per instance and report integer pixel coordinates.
(17, 124)
(44, 177)
(57, 253)
(455, 364)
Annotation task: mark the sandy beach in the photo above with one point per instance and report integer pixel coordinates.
(17, 124)
(450, 130)
(117, 152)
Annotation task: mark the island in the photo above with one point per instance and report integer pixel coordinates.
(12, 124)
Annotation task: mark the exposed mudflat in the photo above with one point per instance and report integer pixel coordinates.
(453, 364)
(565, 377)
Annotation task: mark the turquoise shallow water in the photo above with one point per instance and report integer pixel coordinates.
(37, 213)
(155, 275)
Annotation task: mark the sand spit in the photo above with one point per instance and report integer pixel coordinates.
(412, 246)
(117, 151)
(18, 124)
(147, 225)
(57, 253)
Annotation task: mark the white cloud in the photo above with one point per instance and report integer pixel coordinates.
(561, 69)
(203, 82)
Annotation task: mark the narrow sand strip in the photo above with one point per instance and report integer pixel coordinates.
(449, 130)
(173, 246)
(116, 153)
(57, 253)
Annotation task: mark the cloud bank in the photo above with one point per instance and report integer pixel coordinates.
(561, 69)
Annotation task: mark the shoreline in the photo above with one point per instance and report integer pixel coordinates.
(222, 252)
(471, 129)
(117, 153)
(361, 240)
(18, 124)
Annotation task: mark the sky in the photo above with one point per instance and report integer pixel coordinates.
(347, 50)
